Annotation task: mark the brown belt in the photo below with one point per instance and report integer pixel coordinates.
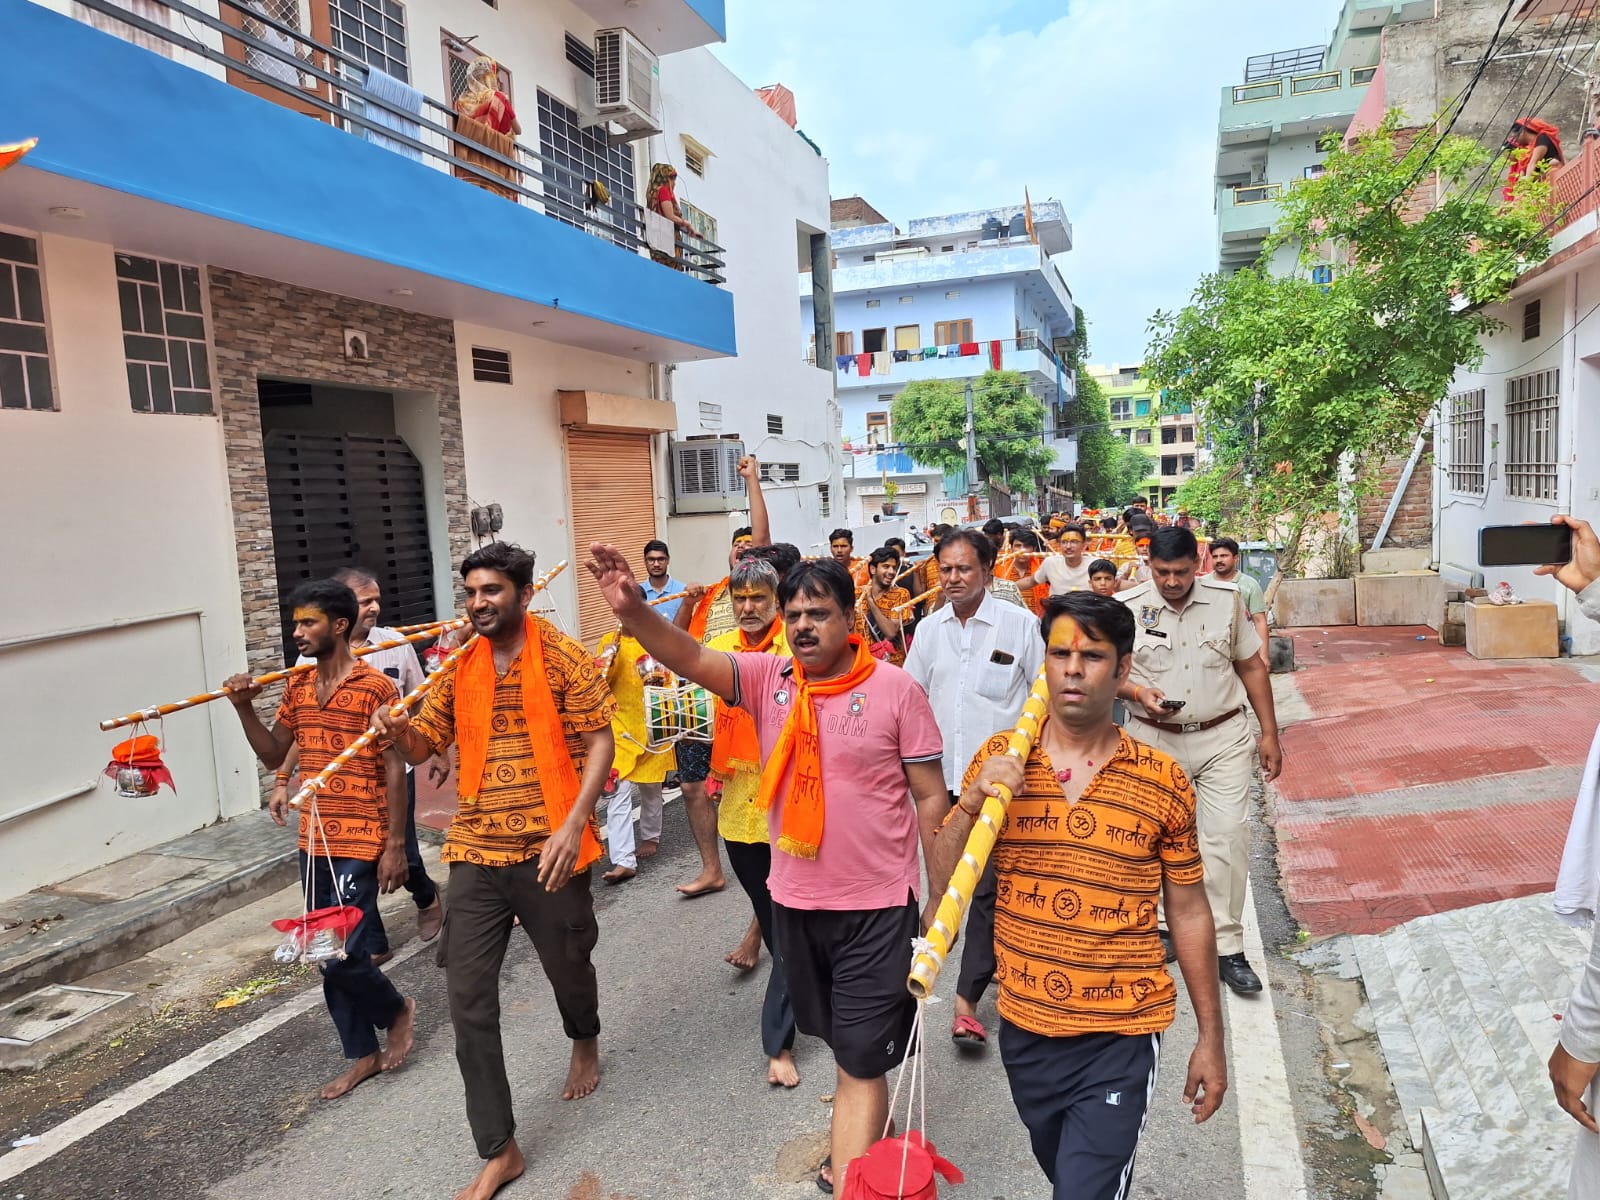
(1191, 726)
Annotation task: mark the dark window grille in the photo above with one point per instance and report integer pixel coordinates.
(24, 344)
(373, 31)
(774, 423)
(1466, 442)
(588, 155)
(1532, 429)
(1531, 320)
(580, 55)
(164, 336)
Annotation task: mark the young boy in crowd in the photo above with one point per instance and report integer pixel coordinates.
(1103, 577)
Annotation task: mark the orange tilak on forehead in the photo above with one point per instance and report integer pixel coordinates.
(1067, 634)
(753, 594)
(309, 614)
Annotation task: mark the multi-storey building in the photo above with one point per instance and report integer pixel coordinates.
(949, 298)
(274, 309)
(1170, 440)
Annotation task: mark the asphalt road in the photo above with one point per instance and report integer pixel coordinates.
(683, 1110)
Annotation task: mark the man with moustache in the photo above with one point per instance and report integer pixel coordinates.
(352, 838)
(530, 716)
(1098, 829)
(1196, 664)
(850, 776)
(977, 658)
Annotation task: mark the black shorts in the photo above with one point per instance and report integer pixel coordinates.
(847, 980)
(694, 761)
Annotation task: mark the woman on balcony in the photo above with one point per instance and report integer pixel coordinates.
(1535, 147)
(484, 115)
(663, 200)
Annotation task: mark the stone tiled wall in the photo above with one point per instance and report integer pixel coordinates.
(262, 327)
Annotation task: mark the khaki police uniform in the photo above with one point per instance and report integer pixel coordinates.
(1189, 654)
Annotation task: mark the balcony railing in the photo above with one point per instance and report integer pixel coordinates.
(1301, 85)
(1575, 189)
(1257, 193)
(311, 77)
(849, 363)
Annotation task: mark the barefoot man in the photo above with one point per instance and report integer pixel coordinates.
(846, 743)
(531, 718)
(708, 614)
(362, 822)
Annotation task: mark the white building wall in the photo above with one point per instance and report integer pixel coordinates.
(1459, 516)
(120, 591)
(515, 447)
(768, 191)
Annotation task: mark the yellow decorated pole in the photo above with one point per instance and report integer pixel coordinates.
(916, 600)
(312, 786)
(980, 843)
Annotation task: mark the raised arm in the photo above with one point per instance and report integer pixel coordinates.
(664, 641)
(760, 526)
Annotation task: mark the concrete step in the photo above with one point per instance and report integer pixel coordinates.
(115, 913)
(1465, 1004)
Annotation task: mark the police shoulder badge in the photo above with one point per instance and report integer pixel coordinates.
(1149, 615)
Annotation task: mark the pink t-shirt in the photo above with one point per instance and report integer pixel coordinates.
(869, 854)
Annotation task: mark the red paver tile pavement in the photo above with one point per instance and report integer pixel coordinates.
(1391, 713)
(436, 805)
(1393, 868)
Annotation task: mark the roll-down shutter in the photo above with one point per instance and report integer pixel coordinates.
(613, 501)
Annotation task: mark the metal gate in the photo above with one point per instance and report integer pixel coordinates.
(342, 500)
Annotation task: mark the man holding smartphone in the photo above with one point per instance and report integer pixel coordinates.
(1196, 663)
(1576, 1059)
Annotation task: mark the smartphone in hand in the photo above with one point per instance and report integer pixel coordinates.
(1172, 705)
(1524, 545)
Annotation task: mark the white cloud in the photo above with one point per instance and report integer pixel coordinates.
(942, 106)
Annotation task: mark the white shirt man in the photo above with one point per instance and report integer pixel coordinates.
(977, 658)
(1067, 571)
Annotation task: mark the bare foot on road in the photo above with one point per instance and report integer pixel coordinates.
(401, 1035)
(781, 1071)
(497, 1172)
(584, 1074)
(748, 953)
(706, 883)
(648, 849)
(360, 1071)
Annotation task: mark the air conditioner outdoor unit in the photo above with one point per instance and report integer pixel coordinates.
(705, 475)
(626, 79)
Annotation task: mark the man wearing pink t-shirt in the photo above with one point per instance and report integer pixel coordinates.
(844, 913)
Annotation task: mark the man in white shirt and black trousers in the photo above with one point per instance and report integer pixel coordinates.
(977, 658)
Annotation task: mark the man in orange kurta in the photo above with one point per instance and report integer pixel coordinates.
(530, 715)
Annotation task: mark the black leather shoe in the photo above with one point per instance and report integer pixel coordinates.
(1167, 948)
(1236, 973)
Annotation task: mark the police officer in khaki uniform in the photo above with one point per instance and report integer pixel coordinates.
(1194, 642)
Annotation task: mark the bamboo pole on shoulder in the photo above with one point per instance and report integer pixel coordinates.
(957, 897)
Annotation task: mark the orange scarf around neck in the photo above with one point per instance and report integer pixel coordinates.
(474, 713)
(702, 611)
(735, 745)
(800, 831)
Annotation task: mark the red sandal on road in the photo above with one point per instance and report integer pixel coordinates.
(968, 1030)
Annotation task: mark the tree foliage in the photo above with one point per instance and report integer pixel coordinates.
(1098, 481)
(930, 419)
(1290, 374)
(1131, 469)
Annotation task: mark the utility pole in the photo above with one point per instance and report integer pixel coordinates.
(972, 446)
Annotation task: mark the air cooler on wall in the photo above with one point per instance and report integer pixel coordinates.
(705, 476)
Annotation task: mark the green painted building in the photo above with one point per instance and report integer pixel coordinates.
(1172, 443)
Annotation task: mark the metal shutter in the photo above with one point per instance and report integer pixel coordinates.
(342, 500)
(613, 501)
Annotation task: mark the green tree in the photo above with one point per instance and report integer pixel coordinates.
(1130, 469)
(1097, 481)
(1304, 382)
(930, 419)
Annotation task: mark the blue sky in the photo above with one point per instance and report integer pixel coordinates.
(931, 106)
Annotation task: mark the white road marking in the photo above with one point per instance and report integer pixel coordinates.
(1269, 1139)
(73, 1130)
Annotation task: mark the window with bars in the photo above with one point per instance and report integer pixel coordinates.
(587, 154)
(458, 56)
(774, 423)
(164, 335)
(1533, 406)
(24, 342)
(1467, 467)
(1531, 320)
(824, 501)
(284, 12)
(373, 31)
(491, 366)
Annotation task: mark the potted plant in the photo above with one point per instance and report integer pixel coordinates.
(891, 489)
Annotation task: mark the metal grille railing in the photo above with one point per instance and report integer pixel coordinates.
(1532, 425)
(1467, 468)
(275, 54)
